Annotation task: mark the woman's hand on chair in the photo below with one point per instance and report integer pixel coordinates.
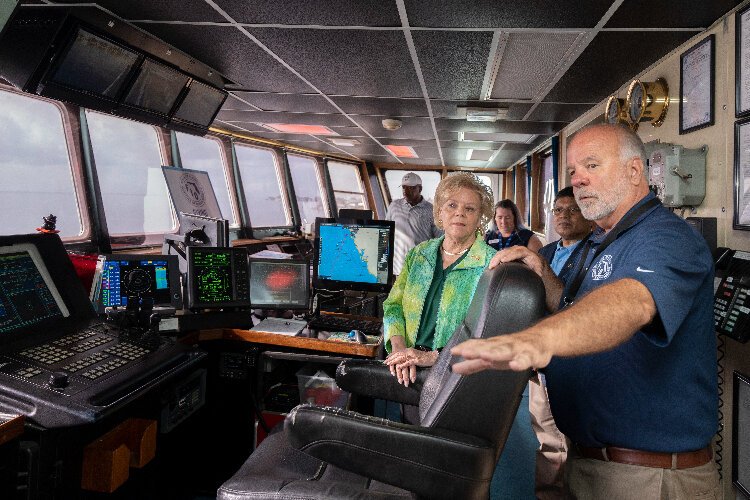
(403, 364)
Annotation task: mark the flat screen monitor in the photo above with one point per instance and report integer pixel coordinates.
(216, 231)
(28, 296)
(94, 65)
(217, 277)
(279, 283)
(354, 255)
(353, 213)
(151, 278)
(156, 88)
(201, 104)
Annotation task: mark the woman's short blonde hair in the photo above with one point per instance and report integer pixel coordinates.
(449, 185)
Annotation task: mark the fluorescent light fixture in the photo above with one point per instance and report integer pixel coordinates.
(482, 114)
(343, 142)
(480, 154)
(295, 128)
(496, 137)
(402, 151)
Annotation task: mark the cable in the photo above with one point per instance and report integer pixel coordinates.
(720, 431)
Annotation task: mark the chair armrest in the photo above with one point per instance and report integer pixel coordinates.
(434, 463)
(373, 378)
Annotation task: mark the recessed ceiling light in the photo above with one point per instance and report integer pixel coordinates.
(343, 142)
(402, 151)
(295, 128)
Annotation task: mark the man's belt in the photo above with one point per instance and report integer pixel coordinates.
(683, 460)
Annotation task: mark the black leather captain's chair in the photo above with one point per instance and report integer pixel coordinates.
(326, 453)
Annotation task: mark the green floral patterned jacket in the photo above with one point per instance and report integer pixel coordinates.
(402, 310)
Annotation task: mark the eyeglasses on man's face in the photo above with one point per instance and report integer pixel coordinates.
(568, 210)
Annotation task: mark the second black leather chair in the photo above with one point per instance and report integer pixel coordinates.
(327, 453)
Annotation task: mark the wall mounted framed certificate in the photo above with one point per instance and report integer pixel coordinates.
(697, 86)
(742, 62)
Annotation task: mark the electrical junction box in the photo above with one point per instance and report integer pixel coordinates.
(677, 174)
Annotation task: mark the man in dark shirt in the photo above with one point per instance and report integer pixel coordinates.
(562, 255)
(635, 352)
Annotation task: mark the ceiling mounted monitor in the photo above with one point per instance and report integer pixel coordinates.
(85, 56)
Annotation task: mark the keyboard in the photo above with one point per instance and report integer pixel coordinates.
(331, 323)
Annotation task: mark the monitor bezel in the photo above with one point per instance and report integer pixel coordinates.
(65, 280)
(192, 295)
(173, 275)
(334, 285)
(281, 306)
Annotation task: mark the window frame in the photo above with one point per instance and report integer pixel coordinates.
(235, 222)
(363, 183)
(279, 164)
(319, 175)
(75, 162)
(124, 241)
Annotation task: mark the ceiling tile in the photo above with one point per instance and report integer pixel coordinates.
(233, 54)
(163, 10)
(453, 63)
(296, 103)
(670, 14)
(449, 109)
(382, 106)
(554, 112)
(506, 13)
(316, 12)
(347, 62)
(529, 63)
(610, 60)
(329, 120)
(509, 126)
(411, 128)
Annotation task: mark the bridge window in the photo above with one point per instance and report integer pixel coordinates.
(36, 178)
(261, 183)
(308, 189)
(430, 180)
(203, 153)
(128, 163)
(347, 185)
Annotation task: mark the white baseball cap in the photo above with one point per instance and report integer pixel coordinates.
(411, 179)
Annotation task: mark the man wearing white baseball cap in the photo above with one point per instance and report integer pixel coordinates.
(413, 217)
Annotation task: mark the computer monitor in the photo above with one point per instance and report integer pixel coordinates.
(40, 294)
(215, 230)
(355, 213)
(152, 279)
(217, 278)
(27, 295)
(279, 283)
(353, 255)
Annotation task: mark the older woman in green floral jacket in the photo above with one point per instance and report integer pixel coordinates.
(432, 294)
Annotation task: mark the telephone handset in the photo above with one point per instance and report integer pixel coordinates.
(732, 296)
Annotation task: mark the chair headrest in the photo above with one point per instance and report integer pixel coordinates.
(508, 299)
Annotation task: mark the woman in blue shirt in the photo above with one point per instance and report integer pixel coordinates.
(508, 230)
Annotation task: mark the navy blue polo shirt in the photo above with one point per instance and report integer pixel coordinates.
(658, 390)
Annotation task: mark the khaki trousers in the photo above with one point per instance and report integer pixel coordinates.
(597, 479)
(553, 445)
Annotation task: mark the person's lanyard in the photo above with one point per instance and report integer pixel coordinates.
(503, 243)
(622, 226)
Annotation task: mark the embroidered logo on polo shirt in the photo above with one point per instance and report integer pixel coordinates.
(602, 269)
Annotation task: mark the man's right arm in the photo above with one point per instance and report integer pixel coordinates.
(553, 287)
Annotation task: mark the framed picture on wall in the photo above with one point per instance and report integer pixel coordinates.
(741, 433)
(742, 62)
(742, 174)
(697, 86)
